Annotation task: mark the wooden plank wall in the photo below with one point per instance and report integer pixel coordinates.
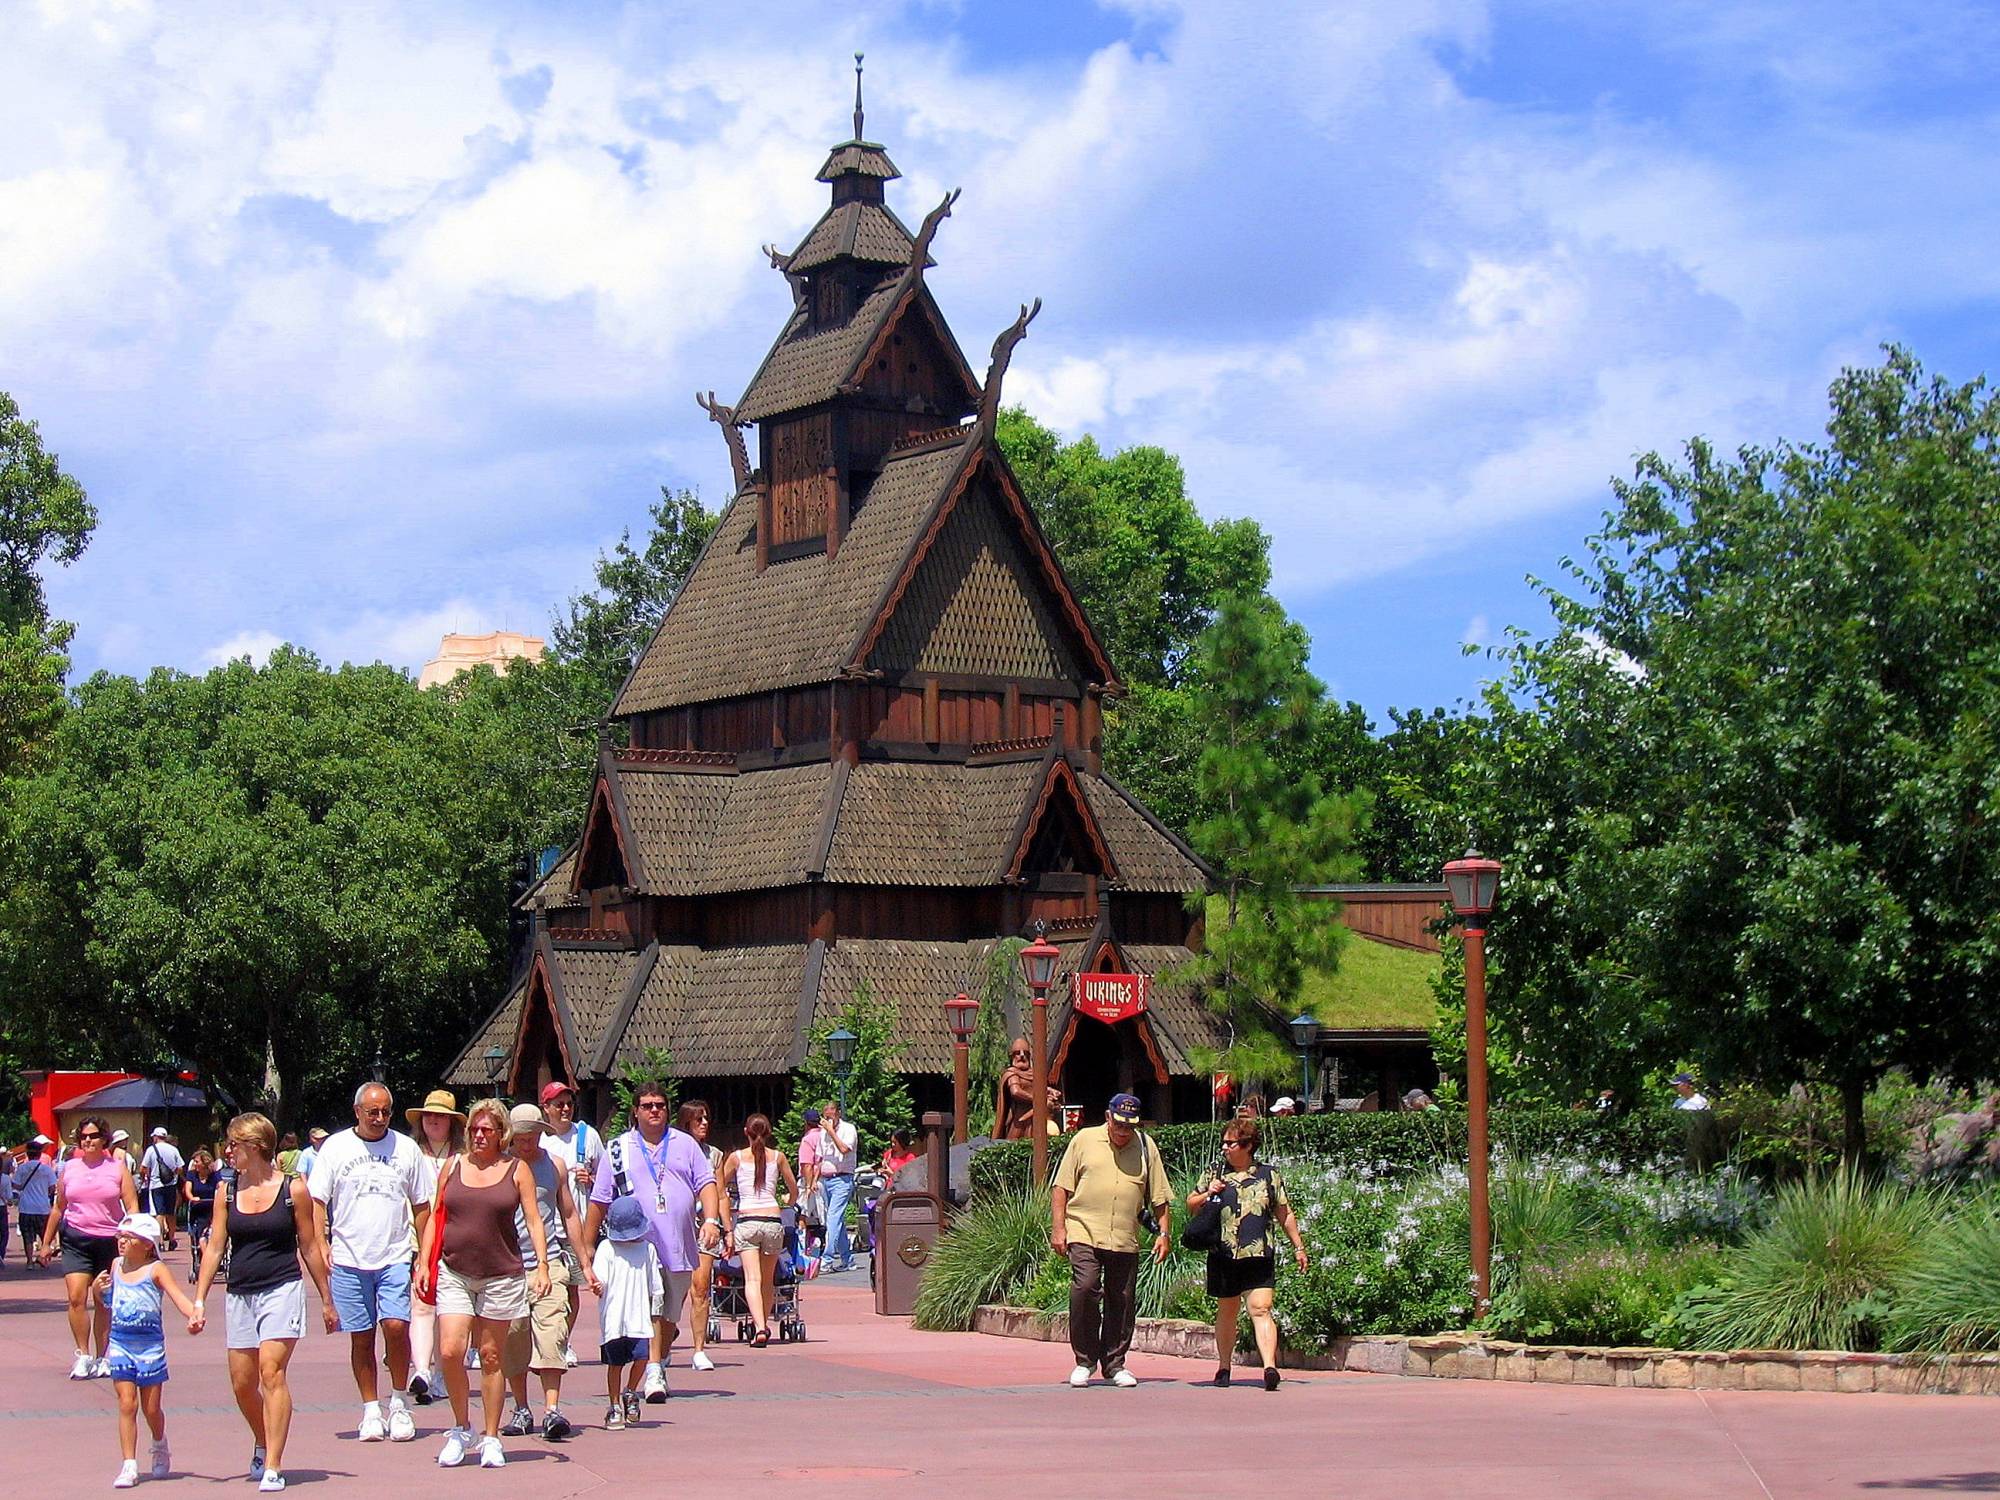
(1391, 915)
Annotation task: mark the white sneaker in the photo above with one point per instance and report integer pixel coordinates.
(1079, 1377)
(402, 1426)
(471, 1358)
(128, 1475)
(1125, 1380)
(163, 1461)
(655, 1388)
(569, 1356)
(491, 1454)
(374, 1426)
(84, 1367)
(272, 1481)
(701, 1361)
(100, 1368)
(453, 1453)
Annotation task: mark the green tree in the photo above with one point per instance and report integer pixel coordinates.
(1269, 827)
(1755, 777)
(877, 1100)
(267, 871)
(45, 518)
(601, 633)
(1146, 566)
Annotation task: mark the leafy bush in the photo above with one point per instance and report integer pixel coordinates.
(992, 1253)
(1957, 1145)
(1400, 1143)
(1613, 1294)
(1389, 1255)
(1950, 1301)
(1819, 1274)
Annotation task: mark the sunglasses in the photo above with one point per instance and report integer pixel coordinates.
(1234, 1142)
(486, 1130)
(90, 1135)
(651, 1104)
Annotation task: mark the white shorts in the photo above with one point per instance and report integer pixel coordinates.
(502, 1298)
(253, 1318)
(668, 1306)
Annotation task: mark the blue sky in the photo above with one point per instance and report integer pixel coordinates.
(361, 323)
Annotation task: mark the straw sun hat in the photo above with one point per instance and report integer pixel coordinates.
(436, 1102)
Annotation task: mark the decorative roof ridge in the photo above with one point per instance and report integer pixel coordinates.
(1033, 746)
(587, 939)
(621, 1014)
(710, 762)
(937, 437)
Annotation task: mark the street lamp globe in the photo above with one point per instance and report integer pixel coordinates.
(961, 1014)
(1305, 1031)
(840, 1048)
(1038, 964)
(1472, 881)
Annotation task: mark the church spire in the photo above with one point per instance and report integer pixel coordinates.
(858, 133)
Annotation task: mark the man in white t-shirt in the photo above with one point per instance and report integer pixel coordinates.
(369, 1185)
(581, 1148)
(836, 1148)
(1690, 1096)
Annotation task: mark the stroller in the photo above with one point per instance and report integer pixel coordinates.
(726, 1297)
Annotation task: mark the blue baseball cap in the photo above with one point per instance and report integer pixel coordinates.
(1125, 1108)
(625, 1219)
(812, 1117)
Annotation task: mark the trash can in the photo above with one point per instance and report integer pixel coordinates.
(907, 1226)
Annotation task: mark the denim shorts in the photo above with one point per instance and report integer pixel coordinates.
(365, 1298)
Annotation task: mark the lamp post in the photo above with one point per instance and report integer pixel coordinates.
(379, 1070)
(961, 1014)
(840, 1052)
(496, 1061)
(1305, 1032)
(1472, 882)
(1038, 967)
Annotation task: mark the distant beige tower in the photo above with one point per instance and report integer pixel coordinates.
(461, 653)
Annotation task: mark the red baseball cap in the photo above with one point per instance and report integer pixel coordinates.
(555, 1091)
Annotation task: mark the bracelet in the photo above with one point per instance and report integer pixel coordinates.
(716, 1222)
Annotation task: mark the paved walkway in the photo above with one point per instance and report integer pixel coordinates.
(869, 1407)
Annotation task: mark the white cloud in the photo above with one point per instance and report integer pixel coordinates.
(348, 326)
(255, 644)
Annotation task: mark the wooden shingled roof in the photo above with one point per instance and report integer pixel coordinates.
(733, 630)
(910, 823)
(856, 230)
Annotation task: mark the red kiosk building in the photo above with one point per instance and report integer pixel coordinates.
(864, 745)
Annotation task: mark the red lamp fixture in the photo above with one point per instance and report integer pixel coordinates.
(1038, 965)
(1473, 882)
(961, 1014)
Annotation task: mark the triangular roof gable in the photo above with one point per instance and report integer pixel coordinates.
(607, 833)
(915, 305)
(544, 980)
(1057, 787)
(983, 456)
(807, 365)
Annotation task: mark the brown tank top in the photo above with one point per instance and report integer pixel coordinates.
(479, 1226)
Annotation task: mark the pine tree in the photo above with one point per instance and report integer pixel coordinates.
(1268, 825)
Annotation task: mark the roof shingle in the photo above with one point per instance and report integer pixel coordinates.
(860, 231)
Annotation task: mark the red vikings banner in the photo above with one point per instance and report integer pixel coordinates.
(1110, 997)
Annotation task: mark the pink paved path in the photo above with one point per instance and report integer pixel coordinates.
(933, 1415)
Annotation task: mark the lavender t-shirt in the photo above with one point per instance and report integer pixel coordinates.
(665, 1179)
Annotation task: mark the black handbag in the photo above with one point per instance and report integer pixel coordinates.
(1204, 1226)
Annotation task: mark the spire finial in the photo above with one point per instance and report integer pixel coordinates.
(857, 96)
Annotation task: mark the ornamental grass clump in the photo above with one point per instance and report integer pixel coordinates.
(1950, 1301)
(1821, 1272)
(1610, 1294)
(992, 1252)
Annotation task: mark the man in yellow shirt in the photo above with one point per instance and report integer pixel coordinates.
(1107, 1177)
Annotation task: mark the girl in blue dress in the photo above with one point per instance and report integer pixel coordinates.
(134, 1287)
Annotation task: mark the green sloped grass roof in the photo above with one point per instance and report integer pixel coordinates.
(1377, 985)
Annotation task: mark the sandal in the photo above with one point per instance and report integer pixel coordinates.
(1222, 1376)
(762, 1340)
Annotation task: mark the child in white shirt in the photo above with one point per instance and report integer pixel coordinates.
(629, 1286)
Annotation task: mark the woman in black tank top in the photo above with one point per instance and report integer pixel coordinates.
(265, 1246)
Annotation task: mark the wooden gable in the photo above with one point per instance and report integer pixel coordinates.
(995, 592)
(1057, 833)
(606, 855)
(975, 605)
(912, 362)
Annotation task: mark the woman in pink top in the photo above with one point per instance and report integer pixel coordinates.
(93, 1191)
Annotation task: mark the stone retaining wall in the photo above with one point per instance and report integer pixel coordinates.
(1469, 1357)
